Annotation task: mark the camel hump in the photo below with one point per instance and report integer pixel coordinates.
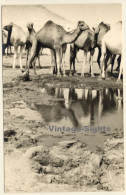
(50, 22)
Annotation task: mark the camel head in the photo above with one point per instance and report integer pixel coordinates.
(83, 26)
(100, 30)
(8, 27)
(101, 27)
(30, 26)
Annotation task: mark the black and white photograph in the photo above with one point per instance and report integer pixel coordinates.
(62, 86)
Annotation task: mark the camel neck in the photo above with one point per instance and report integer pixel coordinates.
(71, 37)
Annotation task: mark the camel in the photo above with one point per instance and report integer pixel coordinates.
(54, 37)
(5, 45)
(84, 42)
(112, 41)
(16, 37)
(100, 31)
(30, 36)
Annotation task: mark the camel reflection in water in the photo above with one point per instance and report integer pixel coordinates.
(80, 107)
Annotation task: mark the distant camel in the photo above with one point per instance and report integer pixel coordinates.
(84, 42)
(16, 37)
(112, 41)
(100, 31)
(54, 36)
(5, 45)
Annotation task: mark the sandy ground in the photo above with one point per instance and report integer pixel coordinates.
(37, 160)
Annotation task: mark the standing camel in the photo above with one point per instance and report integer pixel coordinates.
(30, 37)
(54, 37)
(112, 41)
(5, 45)
(16, 37)
(100, 31)
(84, 42)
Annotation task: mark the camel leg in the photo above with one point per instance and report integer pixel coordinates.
(58, 60)
(27, 54)
(34, 62)
(113, 60)
(20, 55)
(39, 61)
(35, 58)
(118, 60)
(99, 57)
(91, 62)
(15, 54)
(53, 62)
(103, 60)
(71, 61)
(74, 71)
(72, 57)
(63, 58)
(120, 72)
(10, 50)
(63, 63)
(6, 52)
(108, 56)
(84, 63)
(77, 50)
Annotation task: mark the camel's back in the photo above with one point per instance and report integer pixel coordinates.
(51, 34)
(113, 39)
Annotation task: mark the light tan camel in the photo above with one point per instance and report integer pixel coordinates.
(54, 37)
(112, 41)
(100, 31)
(16, 37)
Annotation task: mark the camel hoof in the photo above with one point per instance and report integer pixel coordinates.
(107, 78)
(59, 75)
(70, 74)
(92, 75)
(99, 79)
(82, 75)
(51, 72)
(118, 81)
(64, 75)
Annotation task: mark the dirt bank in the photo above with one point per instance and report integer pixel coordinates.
(38, 160)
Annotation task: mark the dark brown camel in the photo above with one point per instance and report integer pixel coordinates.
(54, 37)
(6, 46)
(84, 42)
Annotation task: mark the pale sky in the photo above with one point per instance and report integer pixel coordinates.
(90, 13)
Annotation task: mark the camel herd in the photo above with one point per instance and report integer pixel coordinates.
(107, 39)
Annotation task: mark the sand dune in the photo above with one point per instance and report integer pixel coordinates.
(37, 14)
